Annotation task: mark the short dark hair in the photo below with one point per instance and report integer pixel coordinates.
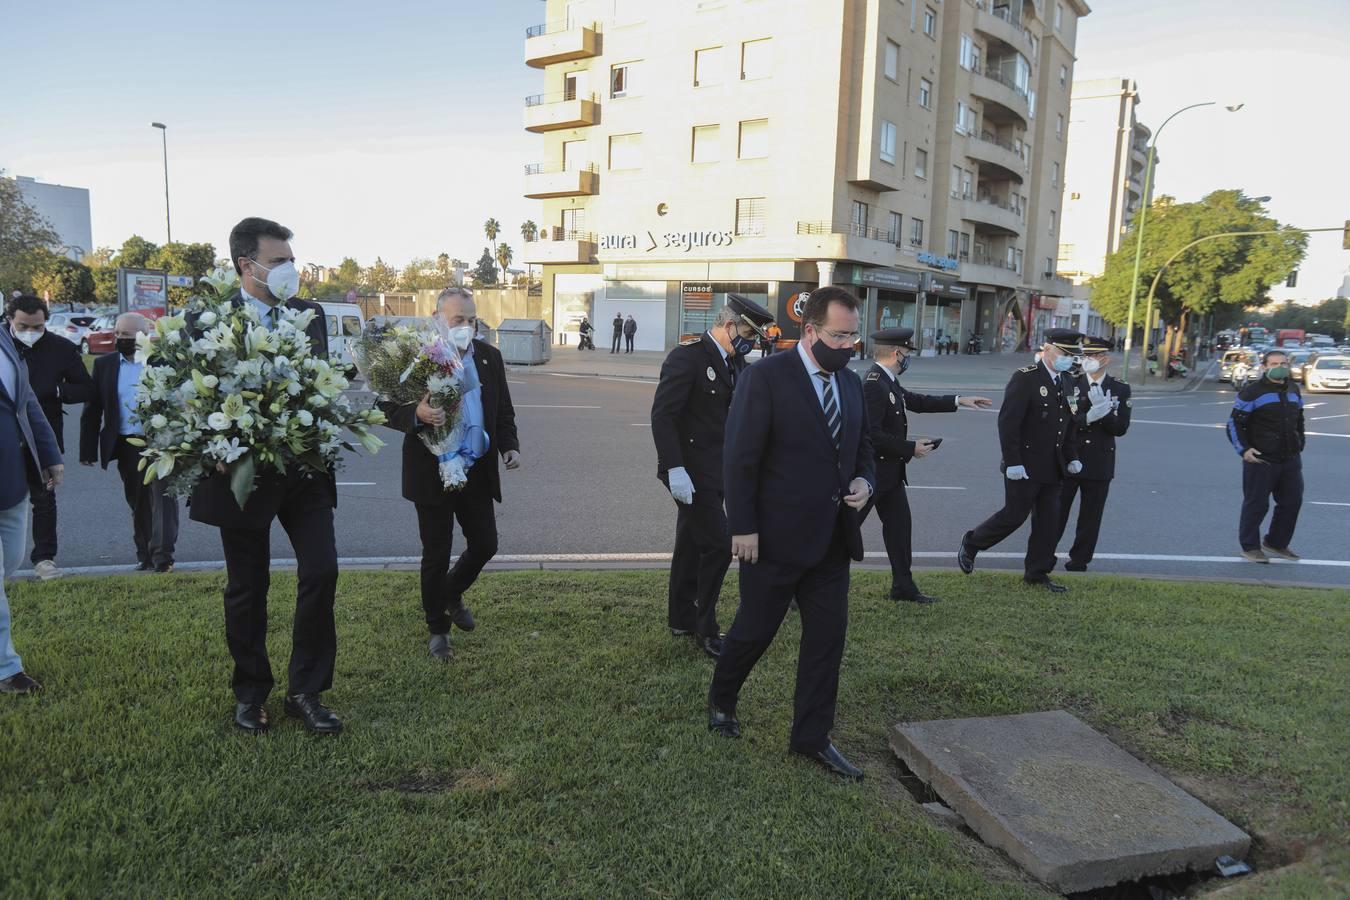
(27, 303)
(244, 237)
(1274, 351)
(817, 308)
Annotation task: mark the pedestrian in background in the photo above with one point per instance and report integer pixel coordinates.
(618, 333)
(1266, 429)
(629, 332)
(587, 335)
(58, 376)
(107, 424)
(29, 460)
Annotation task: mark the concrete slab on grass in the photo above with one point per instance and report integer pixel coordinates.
(1065, 803)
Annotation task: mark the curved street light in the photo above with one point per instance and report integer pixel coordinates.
(1139, 233)
(164, 134)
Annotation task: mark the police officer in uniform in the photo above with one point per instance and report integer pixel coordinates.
(1102, 415)
(689, 414)
(887, 402)
(1036, 431)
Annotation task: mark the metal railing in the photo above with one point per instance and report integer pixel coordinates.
(557, 233)
(988, 137)
(551, 28)
(981, 260)
(1000, 78)
(990, 200)
(557, 97)
(543, 169)
(862, 231)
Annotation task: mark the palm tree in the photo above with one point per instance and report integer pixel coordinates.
(504, 258)
(529, 231)
(492, 228)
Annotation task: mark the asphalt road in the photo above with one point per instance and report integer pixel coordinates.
(588, 486)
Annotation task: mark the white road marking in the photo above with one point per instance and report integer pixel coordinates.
(551, 406)
(355, 483)
(634, 380)
(1320, 418)
(1140, 557)
(1326, 503)
(932, 487)
(639, 424)
(1225, 425)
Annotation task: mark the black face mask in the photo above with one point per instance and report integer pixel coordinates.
(126, 347)
(904, 364)
(831, 359)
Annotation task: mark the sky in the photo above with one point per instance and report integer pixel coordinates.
(394, 129)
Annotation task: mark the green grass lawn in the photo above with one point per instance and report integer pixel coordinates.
(564, 751)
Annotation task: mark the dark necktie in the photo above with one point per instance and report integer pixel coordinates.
(731, 371)
(832, 418)
(273, 314)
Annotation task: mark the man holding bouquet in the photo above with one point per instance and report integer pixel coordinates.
(301, 499)
(489, 427)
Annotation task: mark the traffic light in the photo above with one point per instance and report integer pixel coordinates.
(1345, 236)
(1292, 280)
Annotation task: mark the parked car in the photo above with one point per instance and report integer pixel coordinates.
(71, 326)
(345, 324)
(100, 338)
(1327, 373)
(1297, 360)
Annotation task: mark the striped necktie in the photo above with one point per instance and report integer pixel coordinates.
(832, 418)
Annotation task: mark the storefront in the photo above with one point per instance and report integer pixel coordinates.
(700, 301)
(890, 299)
(944, 312)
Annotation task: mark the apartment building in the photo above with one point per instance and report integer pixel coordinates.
(66, 209)
(1104, 185)
(913, 150)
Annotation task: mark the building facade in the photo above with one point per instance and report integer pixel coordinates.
(1104, 187)
(910, 149)
(66, 209)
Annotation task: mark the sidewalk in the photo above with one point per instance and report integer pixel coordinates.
(961, 372)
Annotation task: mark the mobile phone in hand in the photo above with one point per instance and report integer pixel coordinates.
(935, 442)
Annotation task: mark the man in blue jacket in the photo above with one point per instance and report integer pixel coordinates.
(1266, 429)
(29, 460)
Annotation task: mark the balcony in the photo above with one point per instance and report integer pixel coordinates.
(565, 109)
(996, 215)
(826, 240)
(989, 149)
(986, 270)
(993, 87)
(561, 248)
(543, 183)
(1056, 285)
(997, 20)
(555, 42)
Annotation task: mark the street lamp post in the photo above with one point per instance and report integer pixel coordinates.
(1139, 235)
(164, 135)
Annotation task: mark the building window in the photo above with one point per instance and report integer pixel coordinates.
(1059, 125)
(1049, 267)
(1017, 262)
(916, 232)
(929, 22)
(953, 242)
(1053, 217)
(1054, 174)
(754, 142)
(708, 66)
(887, 141)
(573, 223)
(574, 156)
(750, 217)
(965, 246)
(1063, 76)
(1031, 104)
(707, 144)
(859, 220)
(892, 65)
(619, 80)
(965, 118)
(920, 162)
(970, 54)
(896, 221)
(1059, 16)
(925, 93)
(625, 151)
(755, 61)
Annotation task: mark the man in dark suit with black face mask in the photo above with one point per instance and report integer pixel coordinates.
(797, 468)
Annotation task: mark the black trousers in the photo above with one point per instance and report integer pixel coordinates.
(1021, 499)
(618, 338)
(1089, 516)
(628, 342)
(892, 507)
(154, 514)
(308, 519)
(443, 587)
(699, 564)
(1261, 481)
(44, 524)
(822, 598)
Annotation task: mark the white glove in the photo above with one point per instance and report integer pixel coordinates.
(1075, 466)
(1094, 393)
(681, 486)
(1016, 473)
(1100, 409)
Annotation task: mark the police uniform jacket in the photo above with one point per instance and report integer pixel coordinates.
(889, 427)
(1036, 427)
(689, 411)
(1097, 440)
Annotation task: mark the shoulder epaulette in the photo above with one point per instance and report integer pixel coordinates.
(691, 342)
(1030, 368)
(872, 376)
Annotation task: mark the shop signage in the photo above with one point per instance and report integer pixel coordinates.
(669, 240)
(947, 287)
(697, 295)
(888, 279)
(939, 262)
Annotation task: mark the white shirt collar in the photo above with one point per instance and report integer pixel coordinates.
(726, 357)
(887, 370)
(1096, 377)
(252, 299)
(1054, 376)
(811, 367)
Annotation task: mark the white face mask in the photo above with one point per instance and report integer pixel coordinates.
(1091, 365)
(461, 335)
(28, 337)
(283, 280)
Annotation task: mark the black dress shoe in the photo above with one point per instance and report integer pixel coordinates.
(681, 632)
(317, 717)
(710, 645)
(833, 760)
(1072, 566)
(461, 617)
(440, 648)
(164, 568)
(965, 555)
(251, 717)
(723, 723)
(1053, 587)
(916, 597)
(20, 683)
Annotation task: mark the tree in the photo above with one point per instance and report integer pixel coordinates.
(177, 258)
(485, 273)
(1234, 272)
(379, 278)
(62, 281)
(424, 275)
(136, 253)
(529, 232)
(504, 260)
(492, 228)
(23, 233)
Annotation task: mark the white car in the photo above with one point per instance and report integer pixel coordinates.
(74, 327)
(1327, 373)
(345, 324)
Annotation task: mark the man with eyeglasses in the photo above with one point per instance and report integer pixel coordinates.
(797, 466)
(1036, 432)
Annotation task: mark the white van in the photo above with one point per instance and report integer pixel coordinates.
(345, 324)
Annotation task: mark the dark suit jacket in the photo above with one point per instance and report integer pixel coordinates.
(886, 405)
(783, 479)
(1036, 427)
(1097, 441)
(689, 412)
(421, 475)
(56, 371)
(38, 442)
(212, 503)
(102, 417)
